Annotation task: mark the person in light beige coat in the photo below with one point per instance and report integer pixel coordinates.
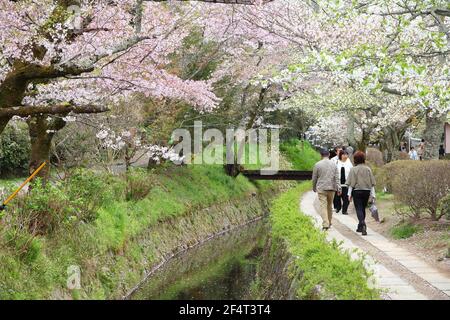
(361, 187)
(325, 181)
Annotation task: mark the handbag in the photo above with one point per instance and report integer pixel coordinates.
(374, 211)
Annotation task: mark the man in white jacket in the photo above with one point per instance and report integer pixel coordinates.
(343, 167)
(338, 150)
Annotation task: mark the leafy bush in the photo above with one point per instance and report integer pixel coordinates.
(88, 191)
(78, 198)
(322, 263)
(444, 206)
(45, 208)
(139, 184)
(404, 230)
(300, 153)
(14, 149)
(420, 184)
(385, 175)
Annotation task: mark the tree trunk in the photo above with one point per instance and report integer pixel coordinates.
(41, 133)
(128, 157)
(40, 148)
(232, 169)
(391, 141)
(432, 135)
(387, 146)
(362, 144)
(351, 131)
(3, 124)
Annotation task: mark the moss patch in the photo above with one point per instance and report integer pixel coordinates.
(404, 230)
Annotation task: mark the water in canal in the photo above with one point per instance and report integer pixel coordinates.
(221, 269)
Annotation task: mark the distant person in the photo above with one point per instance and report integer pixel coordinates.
(402, 147)
(332, 154)
(325, 181)
(421, 149)
(413, 154)
(337, 150)
(350, 150)
(335, 160)
(344, 166)
(361, 186)
(441, 152)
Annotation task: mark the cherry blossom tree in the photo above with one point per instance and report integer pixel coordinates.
(388, 50)
(395, 47)
(355, 117)
(63, 57)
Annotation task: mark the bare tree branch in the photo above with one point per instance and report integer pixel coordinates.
(24, 111)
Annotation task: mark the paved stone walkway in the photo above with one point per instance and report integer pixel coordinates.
(401, 274)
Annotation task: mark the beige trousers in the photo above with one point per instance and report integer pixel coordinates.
(326, 207)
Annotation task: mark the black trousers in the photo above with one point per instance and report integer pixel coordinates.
(361, 199)
(341, 202)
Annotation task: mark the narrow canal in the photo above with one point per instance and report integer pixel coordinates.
(223, 268)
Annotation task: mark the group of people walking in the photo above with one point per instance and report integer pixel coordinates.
(413, 153)
(338, 180)
(418, 154)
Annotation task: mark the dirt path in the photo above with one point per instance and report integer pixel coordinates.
(397, 271)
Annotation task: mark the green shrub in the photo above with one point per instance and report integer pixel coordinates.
(46, 208)
(7, 187)
(404, 230)
(14, 149)
(420, 185)
(444, 206)
(300, 153)
(385, 175)
(88, 191)
(139, 183)
(321, 263)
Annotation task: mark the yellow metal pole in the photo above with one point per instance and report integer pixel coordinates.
(23, 185)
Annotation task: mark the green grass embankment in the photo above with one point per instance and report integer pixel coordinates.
(322, 264)
(113, 228)
(300, 154)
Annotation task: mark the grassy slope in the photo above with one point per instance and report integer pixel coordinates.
(300, 153)
(40, 270)
(321, 262)
(7, 182)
